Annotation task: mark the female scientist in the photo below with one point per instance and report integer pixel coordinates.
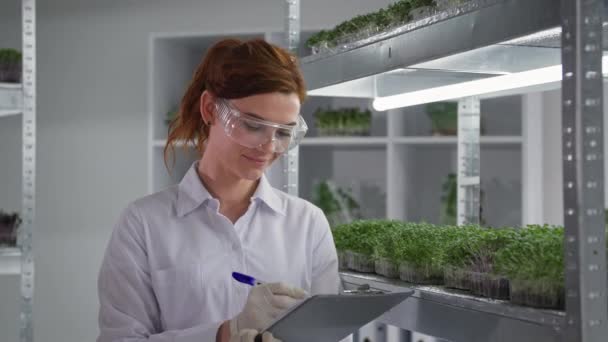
(166, 273)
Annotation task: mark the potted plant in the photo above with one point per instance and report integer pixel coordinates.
(343, 121)
(385, 261)
(362, 237)
(342, 237)
(420, 252)
(421, 8)
(10, 66)
(338, 205)
(470, 260)
(459, 251)
(534, 263)
(9, 225)
(449, 210)
(171, 115)
(367, 25)
(444, 117)
(485, 280)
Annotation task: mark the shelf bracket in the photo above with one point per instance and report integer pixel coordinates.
(26, 333)
(290, 159)
(583, 165)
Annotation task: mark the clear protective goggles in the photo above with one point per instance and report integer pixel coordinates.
(252, 132)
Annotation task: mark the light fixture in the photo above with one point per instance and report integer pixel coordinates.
(532, 80)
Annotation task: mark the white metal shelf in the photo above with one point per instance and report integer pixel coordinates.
(11, 98)
(443, 313)
(9, 112)
(5, 86)
(443, 140)
(160, 143)
(10, 261)
(378, 141)
(476, 41)
(470, 42)
(344, 140)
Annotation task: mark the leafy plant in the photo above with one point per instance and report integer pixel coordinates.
(534, 253)
(395, 14)
(444, 117)
(10, 57)
(449, 209)
(360, 236)
(421, 245)
(9, 224)
(333, 201)
(10, 65)
(344, 121)
(171, 115)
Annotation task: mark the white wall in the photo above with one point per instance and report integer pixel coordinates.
(92, 129)
(553, 204)
(552, 182)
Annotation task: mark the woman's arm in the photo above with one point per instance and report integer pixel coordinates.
(128, 307)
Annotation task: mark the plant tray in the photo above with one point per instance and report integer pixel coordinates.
(331, 132)
(537, 294)
(489, 285)
(387, 268)
(10, 73)
(342, 260)
(457, 278)
(420, 275)
(360, 262)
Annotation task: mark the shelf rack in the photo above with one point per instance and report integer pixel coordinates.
(476, 40)
(20, 99)
(458, 316)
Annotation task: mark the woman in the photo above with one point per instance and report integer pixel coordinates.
(166, 274)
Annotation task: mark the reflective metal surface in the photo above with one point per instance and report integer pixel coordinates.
(457, 316)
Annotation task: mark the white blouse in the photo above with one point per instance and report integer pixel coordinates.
(166, 273)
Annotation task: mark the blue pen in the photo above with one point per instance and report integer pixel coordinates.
(245, 279)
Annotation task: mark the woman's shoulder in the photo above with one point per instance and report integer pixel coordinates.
(295, 204)
(154, 203)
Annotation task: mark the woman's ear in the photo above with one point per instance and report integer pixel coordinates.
(207, 108)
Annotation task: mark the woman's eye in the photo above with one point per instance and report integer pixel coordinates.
(284, 133)
(252, 126)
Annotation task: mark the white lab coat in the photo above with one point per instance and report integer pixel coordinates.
(166, 273)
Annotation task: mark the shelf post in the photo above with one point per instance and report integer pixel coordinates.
(468, 161)
(26, 333)
(290, 159)
(583, 165)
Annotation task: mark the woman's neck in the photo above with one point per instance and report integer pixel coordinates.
(230, 190)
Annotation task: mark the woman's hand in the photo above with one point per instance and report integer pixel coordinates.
(248, 335)
(264, 304)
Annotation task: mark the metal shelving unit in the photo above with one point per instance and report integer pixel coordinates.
(20, 99)
(479, 40)
(458, 316)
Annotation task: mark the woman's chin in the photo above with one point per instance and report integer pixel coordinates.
(252, 174)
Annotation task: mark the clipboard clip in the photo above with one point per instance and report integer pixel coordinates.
(362, 289)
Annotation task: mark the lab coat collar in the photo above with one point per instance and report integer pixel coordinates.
(267, 194)
(192, 193)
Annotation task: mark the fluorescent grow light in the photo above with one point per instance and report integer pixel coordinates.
(492, 86)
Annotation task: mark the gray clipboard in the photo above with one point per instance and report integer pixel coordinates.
(330, 318)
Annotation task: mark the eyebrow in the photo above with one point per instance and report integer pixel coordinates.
(253, 115)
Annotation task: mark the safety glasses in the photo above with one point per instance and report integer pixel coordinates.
(252, 132)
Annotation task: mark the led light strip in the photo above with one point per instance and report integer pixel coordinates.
(488, 86)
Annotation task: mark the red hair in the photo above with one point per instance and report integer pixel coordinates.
(233, 69)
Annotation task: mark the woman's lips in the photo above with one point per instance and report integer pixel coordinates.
(258, 161)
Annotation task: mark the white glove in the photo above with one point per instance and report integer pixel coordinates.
(248, 335)
(264, 304)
